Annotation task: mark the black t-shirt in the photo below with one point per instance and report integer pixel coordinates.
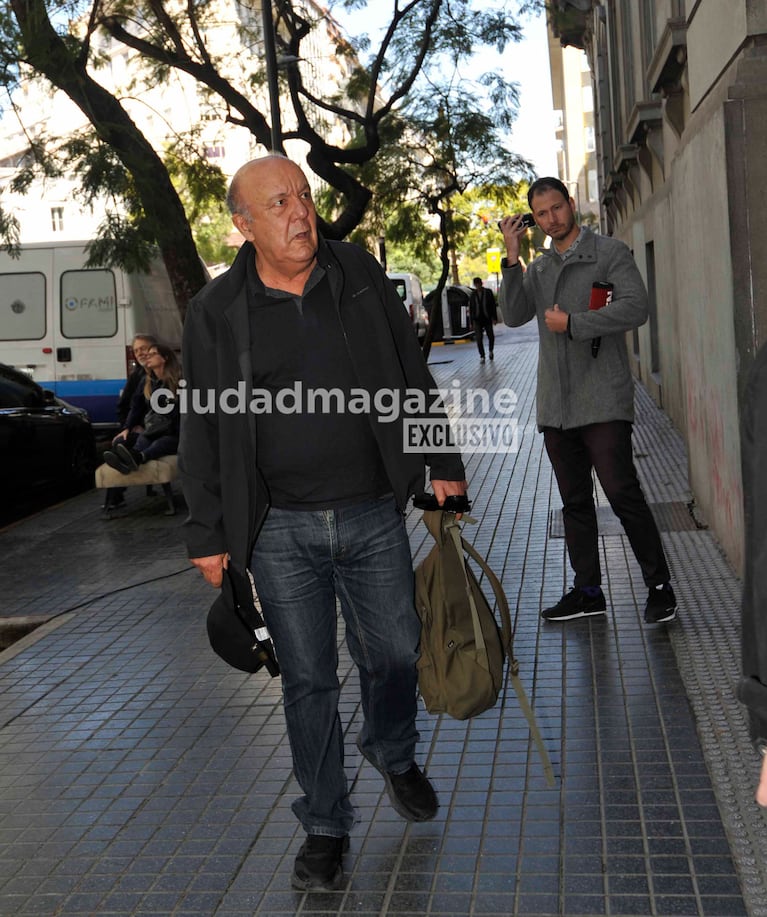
(320, 459)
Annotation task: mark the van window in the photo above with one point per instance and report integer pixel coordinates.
(22, 307)
(88, 304)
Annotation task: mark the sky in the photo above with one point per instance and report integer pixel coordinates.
(525, 62)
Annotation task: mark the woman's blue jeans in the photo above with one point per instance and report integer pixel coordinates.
(302, 562)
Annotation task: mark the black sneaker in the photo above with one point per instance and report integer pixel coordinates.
(661, 605)
(114, 461)
(129, 457)
(319, 863)
(411, 794)
(575, 604)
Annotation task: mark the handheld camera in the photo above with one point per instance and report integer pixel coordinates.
(528, 221)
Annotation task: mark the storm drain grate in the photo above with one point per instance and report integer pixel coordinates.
(673, 516)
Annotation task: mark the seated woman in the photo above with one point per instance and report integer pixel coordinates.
(140, 345)
(157, 434)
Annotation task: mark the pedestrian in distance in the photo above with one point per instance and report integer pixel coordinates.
(313, 502)
(483, 314)
(585, 392)
(752, 689)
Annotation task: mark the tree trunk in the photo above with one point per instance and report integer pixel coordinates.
(49, 55)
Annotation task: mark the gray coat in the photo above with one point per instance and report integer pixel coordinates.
(575, 388)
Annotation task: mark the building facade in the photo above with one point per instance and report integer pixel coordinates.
(573, 100)
(680, 90)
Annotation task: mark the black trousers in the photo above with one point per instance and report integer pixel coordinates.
(479, 327)
(605, 447)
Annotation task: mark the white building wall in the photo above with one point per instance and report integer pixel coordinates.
(706, 351)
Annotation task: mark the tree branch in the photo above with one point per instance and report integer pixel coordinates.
(204, 73)
(50, 55)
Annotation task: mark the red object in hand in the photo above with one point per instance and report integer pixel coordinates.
(601, 295)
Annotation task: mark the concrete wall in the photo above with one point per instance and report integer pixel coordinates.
(670, 335)
(714, 35)
(707, 355)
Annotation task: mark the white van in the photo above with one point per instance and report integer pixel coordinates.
(70, 327)
(410, 291)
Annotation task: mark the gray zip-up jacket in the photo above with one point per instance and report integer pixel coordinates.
(575, 388)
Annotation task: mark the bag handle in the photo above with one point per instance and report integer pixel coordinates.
(506, 639)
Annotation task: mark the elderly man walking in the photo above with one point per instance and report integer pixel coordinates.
(312, 500)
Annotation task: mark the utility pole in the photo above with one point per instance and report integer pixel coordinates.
(270, 56)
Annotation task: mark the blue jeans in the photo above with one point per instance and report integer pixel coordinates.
(151, 448)
(156, 448)
(302, 562)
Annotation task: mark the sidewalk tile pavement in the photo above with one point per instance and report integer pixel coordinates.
(141, 776)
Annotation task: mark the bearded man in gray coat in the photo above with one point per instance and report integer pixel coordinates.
(585, 395)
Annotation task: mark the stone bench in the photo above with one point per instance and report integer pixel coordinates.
(160, 471)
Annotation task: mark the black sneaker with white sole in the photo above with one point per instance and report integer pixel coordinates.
(576, 604)
(661, 605)
(319, 864)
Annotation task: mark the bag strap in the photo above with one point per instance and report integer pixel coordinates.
(246, 608)
(479, 638)
(513, 669)
(248, 613)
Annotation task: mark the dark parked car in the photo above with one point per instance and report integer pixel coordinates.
(42, 438)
